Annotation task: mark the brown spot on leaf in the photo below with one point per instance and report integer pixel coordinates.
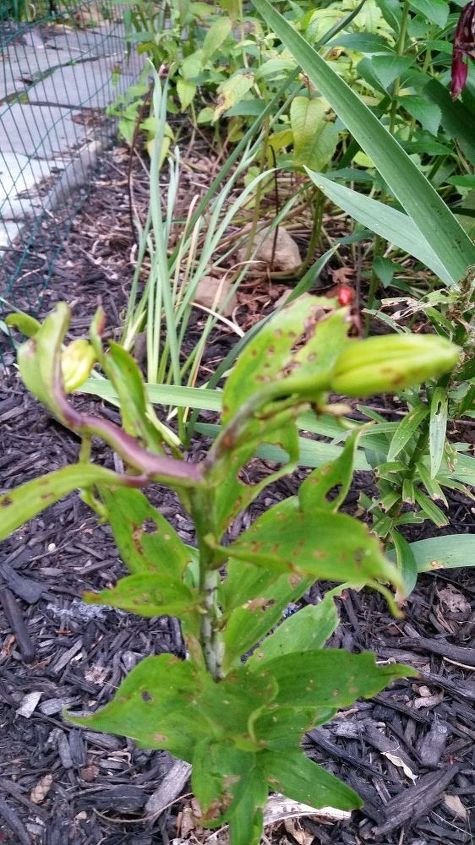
(5, 502)
(149, 526)
(146, 695)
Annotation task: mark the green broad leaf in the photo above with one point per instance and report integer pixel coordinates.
(147, 543)
(219, 772)
(306, 630)
(150, 595)
(436, 11)
(406, 430)
(335, 476)
(174, 704)
(125, 375)
(448, 551)
(246, 815)
(437, 428)
(390, 67)
(425, 111)
(406, 562)
(361, 42)
(216, 35)
(385, 269)
(315, 137)
(430, 509)
(23, 503)
(300, 779)
(23, 322)
(393, 225)
(391, 11)
(186, 91)
(158, 705)
(282, 728)
(410, 187)
(192, 65)
(232, 91)
(253, 601)
(320, 544)
(329, 677)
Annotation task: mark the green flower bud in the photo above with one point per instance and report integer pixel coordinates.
(390, 363)
(77, 362)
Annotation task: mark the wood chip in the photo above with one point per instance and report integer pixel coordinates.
(29, 704)
(454, 804)
(40, 791)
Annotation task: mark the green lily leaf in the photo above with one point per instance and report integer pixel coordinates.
(147, 543)
(19, 505)
(259, 598)
(306, 630)
(302, 780)
(313, 493)
(329, 677)
(151, 595)
(282, 728)
(126, 377)
(174, 704)
(318, 543)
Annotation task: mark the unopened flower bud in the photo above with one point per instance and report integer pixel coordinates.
(77, 362)
(390, 363)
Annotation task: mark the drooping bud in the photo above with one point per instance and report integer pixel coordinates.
(77, 361)
(464, 46)
(390, 363)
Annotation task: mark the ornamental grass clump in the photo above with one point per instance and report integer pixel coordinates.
(251, 685)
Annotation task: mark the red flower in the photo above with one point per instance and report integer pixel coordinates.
(464, 46)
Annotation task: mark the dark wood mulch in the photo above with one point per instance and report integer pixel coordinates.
(409, 752)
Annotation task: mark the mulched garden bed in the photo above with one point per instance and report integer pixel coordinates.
(409, 752)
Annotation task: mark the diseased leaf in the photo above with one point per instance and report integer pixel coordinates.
(313, 492)
(216, 34)
(302, 780)
(150, 595)
(146, 541)
(282, 728)
(219, 771)
(246, 815)
(174, 704)
(329, 677)
(23, 503)
(306, 630)
(250, 621)
(445, 552)
(158, 705)
(321, 544)
(315, 137)
(232, 91)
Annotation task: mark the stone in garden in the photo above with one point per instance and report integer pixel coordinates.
(215, 294)
(285, 256)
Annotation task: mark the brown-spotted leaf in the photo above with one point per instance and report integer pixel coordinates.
(146, 541)
(319, 543)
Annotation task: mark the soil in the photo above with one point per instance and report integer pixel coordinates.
(409, 751)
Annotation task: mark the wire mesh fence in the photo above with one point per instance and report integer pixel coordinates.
(58, 75)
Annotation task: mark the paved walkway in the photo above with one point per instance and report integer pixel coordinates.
(55, 83)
